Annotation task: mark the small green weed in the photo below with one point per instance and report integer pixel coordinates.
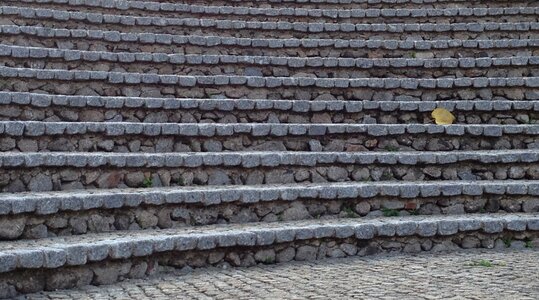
(486, 263)
(181, 181)
(386, 176)
(269, 260)
(413, 212)
(148, 182)
(390, 212)
(350, 213)
(482, 263)
(507, 241)
(528, 243)
(391, 148)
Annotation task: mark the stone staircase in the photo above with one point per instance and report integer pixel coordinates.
(142, 136)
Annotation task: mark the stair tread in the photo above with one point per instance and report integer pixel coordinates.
(264, 132)
(270, 82)
(271, 158)
(274, 43)
(38, 195)
(298, 12)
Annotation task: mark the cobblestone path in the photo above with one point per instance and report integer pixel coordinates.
(474, 274)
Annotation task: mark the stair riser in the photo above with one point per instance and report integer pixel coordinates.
(35, 226)
(244, 91)
(107, 272)
(276, 71)
(243, 142)
(185, 30)
(92, 114)
(65, 178)
(55, 114)
(326, 51)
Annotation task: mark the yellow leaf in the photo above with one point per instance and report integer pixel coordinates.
(442, 116)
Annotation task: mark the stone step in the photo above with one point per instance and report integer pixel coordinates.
(237, 12)
(214, 137)
(343, 3)
(42, 214)
(13, 51)
(55, 108)
(105, 258)
(318, 67)
(157, 6)
(118, 4)
(132, 41)
(73, 20)
(129, 84)
(141, 135)
(268, 82)
(369, 15)
(69, 171)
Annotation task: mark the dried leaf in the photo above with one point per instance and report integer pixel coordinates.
(442, 116)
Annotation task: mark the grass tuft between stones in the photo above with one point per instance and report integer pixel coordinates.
(390, 212)
(148, 182)
(486, 263)
(483, 263)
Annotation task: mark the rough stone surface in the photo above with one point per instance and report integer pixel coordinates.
(11, 228)
(306, 253)
(158, 135)
(40, 183)
(509, 274)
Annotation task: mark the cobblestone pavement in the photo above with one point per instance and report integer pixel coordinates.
(471, 274)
